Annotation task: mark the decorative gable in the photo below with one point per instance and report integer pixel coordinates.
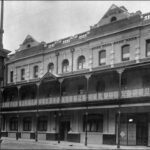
(29, 39)
(28, 43)
(48, 77)
(114, 13)
(113, 10)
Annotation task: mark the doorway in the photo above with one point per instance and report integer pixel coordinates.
(142, 129)
(64, 129)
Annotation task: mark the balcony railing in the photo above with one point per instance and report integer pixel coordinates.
(146, 18)
(141, 92)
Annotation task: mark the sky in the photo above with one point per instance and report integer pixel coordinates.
(52, 20)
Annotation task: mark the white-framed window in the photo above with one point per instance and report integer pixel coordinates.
(102, 57)
(22, 74)
(125, 52)
(35, 71)
(147, 47)
(65, 66)
(81, 62)
(50, 67)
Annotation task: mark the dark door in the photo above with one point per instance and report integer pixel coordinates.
(64, 128)
(142, 130)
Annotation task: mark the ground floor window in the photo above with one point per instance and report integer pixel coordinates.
(94, 123)
(13, 124)
(27, 124)
(42, 123)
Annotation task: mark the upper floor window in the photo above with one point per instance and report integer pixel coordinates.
(65, 66)
(23, 74)
(113, 19)
(102, 57)
(147, 47)
(27, 124)
(11, 76)
(94, 123)
(51, 67)
(81, 62)
(35, 71)
(100, 87)
(125, 52)
(81, 89)
(42, 123)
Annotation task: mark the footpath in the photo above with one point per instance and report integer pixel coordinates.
(10, 143)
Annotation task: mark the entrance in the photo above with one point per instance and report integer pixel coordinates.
(64, 128)
(142, 130)
(134, 129)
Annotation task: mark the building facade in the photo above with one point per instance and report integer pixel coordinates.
(91, 88)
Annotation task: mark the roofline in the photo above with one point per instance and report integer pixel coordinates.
(82, 42)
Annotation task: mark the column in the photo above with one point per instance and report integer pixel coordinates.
(112, 55)
(72, 52)
(1, 101)
(57, 54)
(37, 112)
(119, 71)
(59, 112)
(86, 111)
(17, 134)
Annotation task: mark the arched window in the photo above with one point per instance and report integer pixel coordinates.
(35, 71)
(22, 74)
(125, 52)
(65, 65)
(113, 19)
(102, 57)
(81, 62)
(51, 67)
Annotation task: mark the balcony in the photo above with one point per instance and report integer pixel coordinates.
(133, 93)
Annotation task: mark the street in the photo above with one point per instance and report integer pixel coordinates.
(9, 143)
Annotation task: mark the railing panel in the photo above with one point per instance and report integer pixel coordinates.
(141, 92)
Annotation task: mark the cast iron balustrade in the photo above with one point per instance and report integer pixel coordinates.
(50, 100)
(131, 93)
(146, 18)
(141, 92)
(31, 102)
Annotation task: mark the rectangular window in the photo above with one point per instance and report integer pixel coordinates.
(27, 124)
(147, 48)
(102, 57)
(11, 76)
(35, 72)
(13, 124)
(22, 74)
(42, 124)
(94, 123)
(125, 52)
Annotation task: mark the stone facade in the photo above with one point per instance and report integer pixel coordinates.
(74, 89)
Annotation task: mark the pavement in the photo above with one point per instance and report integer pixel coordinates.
(10, 143)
